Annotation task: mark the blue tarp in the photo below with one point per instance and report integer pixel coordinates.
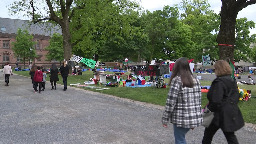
(106, 69)
(205, 87)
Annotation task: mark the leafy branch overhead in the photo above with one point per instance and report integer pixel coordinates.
(58, 12)
(112, 30)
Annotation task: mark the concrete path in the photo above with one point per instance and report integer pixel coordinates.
(82, 117)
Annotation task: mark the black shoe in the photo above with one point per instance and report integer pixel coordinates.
(55, 87)
(52, 88)
(64, 89)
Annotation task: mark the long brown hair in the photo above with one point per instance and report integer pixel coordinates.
(33, 68)
(181, 68)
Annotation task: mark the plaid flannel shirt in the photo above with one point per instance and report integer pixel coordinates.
(183, 105)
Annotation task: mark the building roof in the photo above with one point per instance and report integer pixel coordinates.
(11, 26)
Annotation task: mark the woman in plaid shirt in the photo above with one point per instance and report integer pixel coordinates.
(183, 104)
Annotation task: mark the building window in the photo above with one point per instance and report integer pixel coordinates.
(19, 59)
(3, 29)
(6, 44)
(37, 46)
(6, 57)
(39, 57)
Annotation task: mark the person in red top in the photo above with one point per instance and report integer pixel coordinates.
(38, 78)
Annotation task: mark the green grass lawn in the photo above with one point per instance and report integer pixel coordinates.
(158, 96)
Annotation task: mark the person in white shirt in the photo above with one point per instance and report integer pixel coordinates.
(251, 82)
(7, 72)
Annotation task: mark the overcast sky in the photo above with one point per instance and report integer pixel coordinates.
(151, 5)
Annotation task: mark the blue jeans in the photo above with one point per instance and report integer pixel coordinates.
(179, 134)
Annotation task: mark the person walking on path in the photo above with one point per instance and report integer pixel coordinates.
(54, 76)
(7, 72)
(223, 97)
(183, 104)
(38, 78)
(64, 70)
(44, 79)
(32, 73)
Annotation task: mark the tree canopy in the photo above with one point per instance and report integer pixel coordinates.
(55, 48)
(113, 30)
(24, 46)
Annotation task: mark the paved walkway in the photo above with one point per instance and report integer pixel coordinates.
(80, 117)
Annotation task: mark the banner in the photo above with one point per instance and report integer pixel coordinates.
(206, 60)
(89, 62)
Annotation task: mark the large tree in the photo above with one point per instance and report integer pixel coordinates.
(24, 46)
(59, 12)
(106, 30)
(226, 37)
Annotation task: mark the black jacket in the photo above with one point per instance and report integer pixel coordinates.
(64, 71)
(32, 73)
(54, 75)
(227, 116)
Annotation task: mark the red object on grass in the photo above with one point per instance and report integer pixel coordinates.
(143, 82)
(204, 90)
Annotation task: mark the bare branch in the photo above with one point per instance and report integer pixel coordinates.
(62, 8)
(68, 5)
(53, 16)
(39, 20)
(34, 19)
(241, 4)
(74, 10)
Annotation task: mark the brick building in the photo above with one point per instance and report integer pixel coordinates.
(40, 32)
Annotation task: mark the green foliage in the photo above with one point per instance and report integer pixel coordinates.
(24, 46)
(166, 34)
(253, 53)
(204, 24)
(55, 49)
(54, 11)
(244, 40)
(107, 29)
(113, 30)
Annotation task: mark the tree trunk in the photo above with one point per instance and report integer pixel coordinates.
(24, 62)
(226, 36)
(66, 41)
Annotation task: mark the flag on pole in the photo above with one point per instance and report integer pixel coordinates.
(233, 69)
